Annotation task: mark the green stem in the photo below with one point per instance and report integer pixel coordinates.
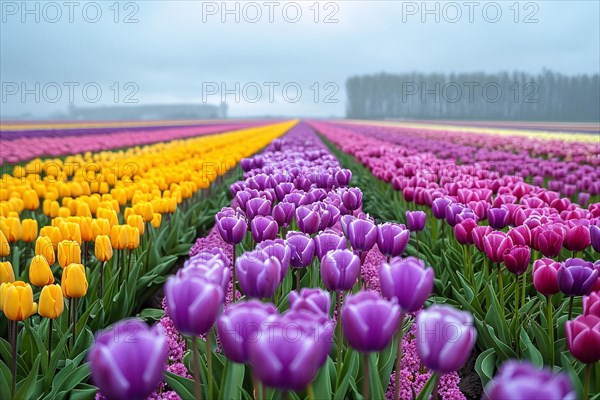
(550, 323)
(14, 328)
(523, 287)
(571, 301)
(50, 329)
(399, 336)
(209, 363)
(501, 286)
(365, 385)
(340, 339)
(234, 278)
(197, 376)
(436, 382)
(310, 392)
(516, 314)
(102, 267)
(586, 385)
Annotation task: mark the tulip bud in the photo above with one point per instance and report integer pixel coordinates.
(231, 225)
(392, 239)
(51, 302)
(133, 237)
(583, 338)
(264, 228)
(545, 276)
(591, 304)
(136, 221)
(127, 361)
(103, 248)
(85, 226)
(362, 234)
(521, 380)
(408, 281)
(495, 244)
(303, 249)
(29, 230)
(340, 270)
(577, 237)
(74, 282)
(369, 321)
(258, 274)
(576, 277)
(156, 220)
(463, 231)
(415, 220)
(69, 252)
(17, 301)
(4, 246)
(517, 259)
(7, 274)
(31, 200)
(118, 237)
(40, 273)
(440, 352)
(44, 247)
(12, 229)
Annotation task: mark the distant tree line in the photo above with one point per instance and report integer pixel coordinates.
(547, 96)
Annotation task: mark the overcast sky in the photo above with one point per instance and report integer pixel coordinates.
(178, 51)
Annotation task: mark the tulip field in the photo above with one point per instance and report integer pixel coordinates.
(288, 259)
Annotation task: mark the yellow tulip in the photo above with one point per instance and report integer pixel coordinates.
(145, 210)
(64, 212)
(103, 248)
(12, 229)
(55, 236)
(7, 274)
(17, 301)
(4, 246)
(118, 237)
(85, 226)
(52, 303)
(137, 222)
(83, 210)
(70, 231)
(156, 220)
(29, 230)
(54, 209)
(40, 273)
(44, 247)
(69, 252)
(133, 237)
(74, 283)
(100, 226)
(31, 200)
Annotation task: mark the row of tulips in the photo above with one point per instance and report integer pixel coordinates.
(569, 168)
(39, 144)
(134, 248)
(281, 332)
(511, 224)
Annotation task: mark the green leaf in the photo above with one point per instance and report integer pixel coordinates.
(26, 388)
(428, 388)
(485, 365)
(184, 387)
(233, 381)
(151, 314)
(322, 383)
(349, 371)
(529, 350)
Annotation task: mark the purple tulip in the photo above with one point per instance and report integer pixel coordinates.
(362, 234)
(548, 240)
(445, 338)
(340, 270)
(345, 222)
(303, 249)
(577, 237)
(415, 220)
(231, 226)
(576, 277)
(316, 301)
(256, 207)
(498, 217)
(308, 219)
(408, 281)
(463, 231)
(240, 324)
(213, 271)
(258, 274)
(285, 357)
(517, 259)
(127, 361)
(495, 244)
(466, 213)
(264, 228)
(193, 303)
(595, 237)
(208, 257)
(343, 176)
(352, 199)
(283, 213)
(439, 205)
(392, 239)
(452, 210)
(316, 325)
(369, 321)
(478, 233)
(282, 189)
(518, 380)
(328, 240)
(280, 249)
(521, 235)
